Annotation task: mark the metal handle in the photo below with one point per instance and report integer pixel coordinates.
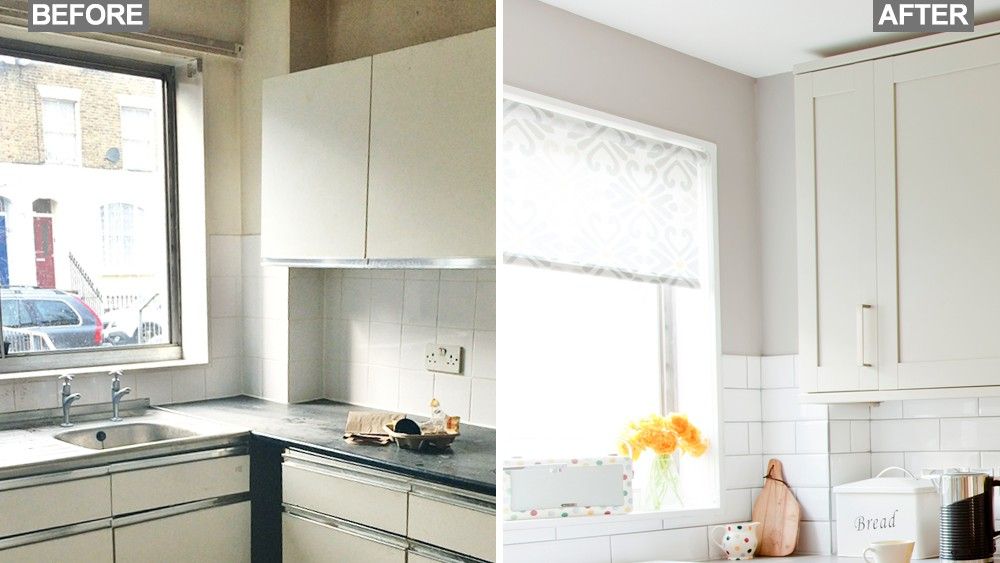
(861, 335)
(66, 377)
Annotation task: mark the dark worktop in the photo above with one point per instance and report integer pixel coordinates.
(318, 426)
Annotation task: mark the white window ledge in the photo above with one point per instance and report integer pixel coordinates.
(45, 374)
(590, 526)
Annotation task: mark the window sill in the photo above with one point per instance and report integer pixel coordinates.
(43, 374)
(589, 526)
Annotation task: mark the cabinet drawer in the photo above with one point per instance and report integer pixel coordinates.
(339, 490)
(307, 541)
(219, 534)
(51, 505)
(88, 547)
(453, 521)
(167, 485)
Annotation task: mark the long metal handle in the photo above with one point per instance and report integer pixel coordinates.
(861, 335)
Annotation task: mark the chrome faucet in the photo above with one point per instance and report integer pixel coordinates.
(68, 398)
(116, 394)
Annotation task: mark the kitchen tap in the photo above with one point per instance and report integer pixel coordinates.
(68, 398)
(116, 394)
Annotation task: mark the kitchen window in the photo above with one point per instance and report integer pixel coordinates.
(608, 284)
(91, 265)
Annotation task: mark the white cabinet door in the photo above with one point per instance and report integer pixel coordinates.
(88, 547)
(314, 162)
(432, 186)
(60, 503)
(220, 535)
(309, 541)
(456, 524)
(937, 124)
(835, 171)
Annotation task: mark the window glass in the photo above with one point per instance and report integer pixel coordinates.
(86, 248)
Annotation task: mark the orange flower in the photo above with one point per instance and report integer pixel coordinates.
(679, 423)
(662, 435)
(665, 443)
(695, 449)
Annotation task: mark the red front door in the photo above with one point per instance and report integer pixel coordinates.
(45, 265)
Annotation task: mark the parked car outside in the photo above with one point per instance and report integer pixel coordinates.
(64, 320)
(121, 327)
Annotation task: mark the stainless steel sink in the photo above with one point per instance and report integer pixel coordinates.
(120, 435)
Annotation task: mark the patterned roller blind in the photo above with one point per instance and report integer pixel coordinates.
(591, 198)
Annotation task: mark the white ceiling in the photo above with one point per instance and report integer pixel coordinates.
(757, 38)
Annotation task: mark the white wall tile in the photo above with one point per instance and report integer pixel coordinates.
(811, 437)
(486, 305)
(156, 385)
(884, 460)
(583, 530)
(188, 384)
(756, 438)
(383, 385)
(431, 275)
(785, 404)
(741, 471)
(484, 402)
(989, 406)
(850, 411)
(814, 503)
(777, 372)
(36, 394)
(454, 392)
(222, 378)
(305, 294)
(861, 436)
(740, 405)
(414, 344)
(332, 294)
(779, 437)
(225, 336)
(224, 296)
(734, 372)
(840, 436)
(685, 544)
(805, 470)
(585, 550)
(970, 433)
(383, 344)
(847, 468)
(814, 538)
(356, 299)
(905, 435)
(753, 372)
(887, 409)
(736, 505)
(940, 408)
(457, 304)
(225, 255)
(416, 389)
(387, 300)
(736, 438)
(916, 462)
(420, 302)
(484, 354)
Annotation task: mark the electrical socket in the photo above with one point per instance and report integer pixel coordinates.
(443, 358)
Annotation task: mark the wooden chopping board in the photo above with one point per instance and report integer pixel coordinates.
(778, 513)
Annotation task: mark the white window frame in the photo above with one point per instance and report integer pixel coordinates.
(126, 101)
(64, 94)
(191, 217)
(709, 392)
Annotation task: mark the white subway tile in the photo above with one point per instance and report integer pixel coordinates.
(885, 460)
(414, 345)
(356, 300)
(584, 530)
(585, 550)
(354, 383)
(753, 372)
(225, 337)
(155, 385)
(917, 462)
(387, 300)
(777, 372)
(814, 538)
(740, 405)
(811, 437)
(420, 302)
(847, 468)
(454, 393)
(779, 437)
(734, 372)
(905, 435)
(861, 436)
(457, 304)
(484, 354)
(486, 305)
(989, 406)
(222, 378)
(333, 294)
(274, 294)
(785, 404)
(840, 436)
(736, 505)
(850, 411)
(253, 374)
(358, 335)
(306, 380)
(970, 433)
(814, 503)
(805, 470)
(275, 380)
(736, 438)
(756, 438)
(940, 408)
(383, 386)
(250, 257)
(416, 389)
(224, 297)
(188, 384)
(224, 255)
(484, 402)
(305, 294)
(383, 344)
(742, 471)
(887, 409)
(990, 461)
(305, 338)
(685, 544)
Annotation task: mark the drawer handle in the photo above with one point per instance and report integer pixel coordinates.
(345, 527)
(348, 476)
(454, 500)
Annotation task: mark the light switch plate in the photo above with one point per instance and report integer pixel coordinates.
(444, 358)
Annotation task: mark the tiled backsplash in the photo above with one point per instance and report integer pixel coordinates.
(220, 378)
(378, 322)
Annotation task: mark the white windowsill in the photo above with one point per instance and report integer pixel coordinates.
(44, 374)
(666, 519)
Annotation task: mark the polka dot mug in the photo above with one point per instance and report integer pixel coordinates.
(738, 541)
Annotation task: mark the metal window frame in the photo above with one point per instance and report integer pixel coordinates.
(95, 357)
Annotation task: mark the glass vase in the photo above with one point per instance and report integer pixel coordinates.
(663, 480)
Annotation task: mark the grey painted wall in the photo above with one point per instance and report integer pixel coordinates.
(555, 53)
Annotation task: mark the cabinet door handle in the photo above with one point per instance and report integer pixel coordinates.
(861, 335)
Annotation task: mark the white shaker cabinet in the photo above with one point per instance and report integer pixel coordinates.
(432, 187)
(937, 124)
(314, 162)
(898, 199)
(391, 158)
(835, 164)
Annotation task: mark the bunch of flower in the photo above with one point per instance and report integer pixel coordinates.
(662, 435)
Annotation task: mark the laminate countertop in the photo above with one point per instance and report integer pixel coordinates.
(318, 426)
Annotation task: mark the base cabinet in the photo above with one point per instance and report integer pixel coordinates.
(308, 541)
(220, 535)
(88, 547)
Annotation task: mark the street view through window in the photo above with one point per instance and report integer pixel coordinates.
(83, 208)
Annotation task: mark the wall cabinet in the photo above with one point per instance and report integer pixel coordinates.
(390, 157)
(898, 200)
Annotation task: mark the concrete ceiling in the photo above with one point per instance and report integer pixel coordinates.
(756, 38)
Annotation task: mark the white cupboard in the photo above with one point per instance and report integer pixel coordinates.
(388, 158)
(898, 202)
(89, 547)
(220, 534)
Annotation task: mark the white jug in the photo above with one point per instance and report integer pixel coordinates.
(738, 541)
